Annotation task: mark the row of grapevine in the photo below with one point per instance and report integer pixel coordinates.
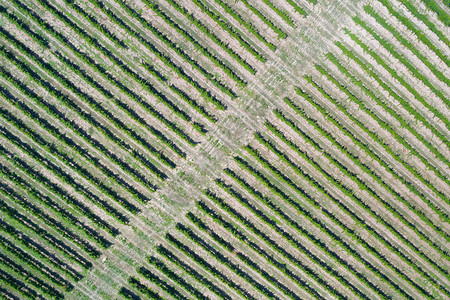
(14, 283)
(52, 240)
(27, 148)
(195, 238)
(379, 237)
(70, 103)
(38, 249)
(297, 169)
(37, 37)
(50, 221)
(405, 104)
(250, 27)
(226, 226)
(288, 236)
(108, 95)
(86, 58)
(222, 23)
(69, 141)
(356, 199)
(302, 229)
(233, 266)
(161, 36)
(235, 231)
(407, 44)
(164, 38)
(22, 256)
(202, 48)
(36, 98)
(406, 62)
(27, 169)
(267, 21)
(355, 156)
(426, 20)
(124, 67)
(409, 144)
(389, 128)
(270, 242)
(141, 288)
(341, 205)
(283, 14)
(414, 70)
(413, 28)
(172, 257)
(341, 108)
(55, 207)
(94, 22)
(354, 176)
(66, 178)
(161, 266)
(212, 269)
(442, 15)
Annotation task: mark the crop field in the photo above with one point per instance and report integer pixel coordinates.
(224, 149)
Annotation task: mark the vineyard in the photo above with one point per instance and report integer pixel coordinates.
(219, 149)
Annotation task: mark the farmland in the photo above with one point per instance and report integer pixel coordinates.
(208, 149)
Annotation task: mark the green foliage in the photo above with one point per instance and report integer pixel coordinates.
(294, 242)
(441, 13)
(63, 176)
(159, 264)
(246, 24)
(21, 255)
(126, 293)
(424, 18)
(402, 122)
(32, 279)
(383, 144)
(134, 282)
(126, 69)
(241, 236)
(345, 170)
(389, 128)
(411, 26)
(100, 27)
(37, 37)
(68, 102)
(57, 244)
(161, 283)
(26, 110)
(202, 49)
(161, 36)
(297, 8)
(226, 261)
(276, 29)
(351, 193)
(47, 219)
(414, 71)
(303, 228)
(283, 14)
(18, 285)
(405, 104)
(407, 44)
(56, 113)
(67, 160)
(53, 206)
(345, 207)
(107, 76)
(192, 272)
(223, 24)
(39, 250)
(208, 266)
